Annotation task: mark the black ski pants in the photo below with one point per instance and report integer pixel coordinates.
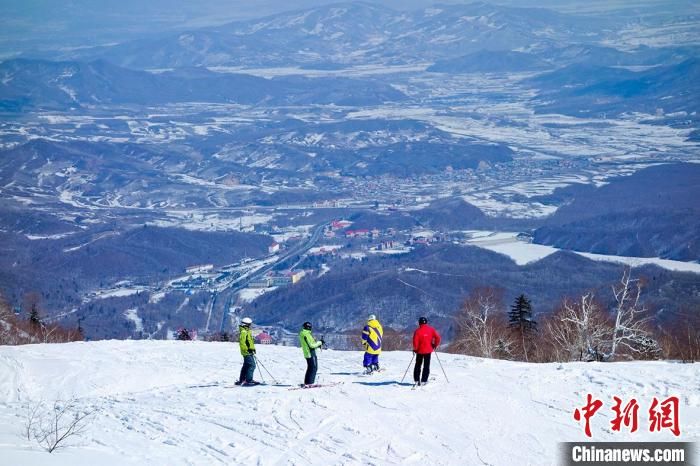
(422, 360)
(311, 368)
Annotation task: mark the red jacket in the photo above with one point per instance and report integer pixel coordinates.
(425, 339)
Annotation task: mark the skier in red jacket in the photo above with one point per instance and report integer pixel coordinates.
(425, 340)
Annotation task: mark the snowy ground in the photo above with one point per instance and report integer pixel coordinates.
(168, 402)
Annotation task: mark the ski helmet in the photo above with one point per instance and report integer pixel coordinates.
(307, 325)
(422, 320)
(371, 317)
(247, 321)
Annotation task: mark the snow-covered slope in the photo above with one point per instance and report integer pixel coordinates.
(167, 402)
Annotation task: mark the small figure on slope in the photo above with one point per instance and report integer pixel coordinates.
(425, 340)
(309, 346)
(372, 335)
(248, 352)
(183, 334)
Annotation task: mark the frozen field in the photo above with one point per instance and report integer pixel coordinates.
(523, 252)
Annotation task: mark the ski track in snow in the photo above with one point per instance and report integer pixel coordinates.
(174, 403)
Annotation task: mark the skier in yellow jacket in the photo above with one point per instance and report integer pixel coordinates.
(309, 345)
(248, 352)
(372, 335)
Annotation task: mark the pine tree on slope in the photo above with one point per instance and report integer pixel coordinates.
(520, 319)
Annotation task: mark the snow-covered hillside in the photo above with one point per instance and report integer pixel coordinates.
(172, 403)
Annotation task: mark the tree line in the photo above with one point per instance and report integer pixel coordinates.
(583, 328)
(579, 329)
(34, 328)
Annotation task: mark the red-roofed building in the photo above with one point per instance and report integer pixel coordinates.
(340, 224)
(263, 338)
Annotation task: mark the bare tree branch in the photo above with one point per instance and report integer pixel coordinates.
(630, 328)
(52, 427)
(579, 331)
(481, 328)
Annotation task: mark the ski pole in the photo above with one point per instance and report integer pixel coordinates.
(443, 369)
(409, 366)
(257, 363)
(268, 372)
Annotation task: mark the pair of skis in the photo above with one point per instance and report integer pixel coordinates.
(367, 374)
(261, 384)
(315, 385)
(418, 385)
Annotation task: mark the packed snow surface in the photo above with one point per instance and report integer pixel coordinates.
(174, 403)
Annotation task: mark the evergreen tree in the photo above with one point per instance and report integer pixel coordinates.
(34, 318)
(520, 314)
(520, 319)
(81, 332)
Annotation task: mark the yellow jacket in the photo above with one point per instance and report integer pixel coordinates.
(372, 337)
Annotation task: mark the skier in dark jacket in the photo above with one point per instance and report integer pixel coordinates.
(425, 340)
(309, 346)
(248, 352)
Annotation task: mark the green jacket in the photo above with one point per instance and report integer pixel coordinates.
(246, 340)
(308, 342)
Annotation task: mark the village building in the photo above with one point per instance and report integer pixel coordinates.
(297, 276)
(340, 224)
(263, 338)
(363, 233)
(263, 282)
(200, 268)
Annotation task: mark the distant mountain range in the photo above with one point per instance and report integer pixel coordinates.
(47, 84)
(123, 164)
(571, 58)
(356, 33)
(653, 213)
(584, 88)
(585, 77)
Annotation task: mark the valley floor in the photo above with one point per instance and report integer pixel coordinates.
(174, 403)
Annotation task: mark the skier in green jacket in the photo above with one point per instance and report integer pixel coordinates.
(309, 346)
(248, 353)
